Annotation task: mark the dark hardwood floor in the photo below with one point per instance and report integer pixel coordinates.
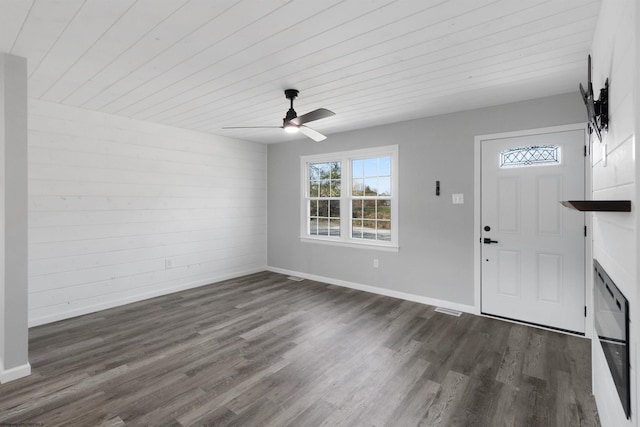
(265, 350)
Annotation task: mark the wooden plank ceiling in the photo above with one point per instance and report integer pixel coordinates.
(203, 64)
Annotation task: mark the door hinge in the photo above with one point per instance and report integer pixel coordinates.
(585, 231)
(585, 151)
(585, 311)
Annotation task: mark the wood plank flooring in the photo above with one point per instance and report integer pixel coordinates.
(265, 350)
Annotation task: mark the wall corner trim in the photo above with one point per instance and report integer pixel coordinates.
(15, 373)
(376, 290)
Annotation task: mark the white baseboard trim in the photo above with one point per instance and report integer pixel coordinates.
(380, 291)
(15, 373)
(42, 320)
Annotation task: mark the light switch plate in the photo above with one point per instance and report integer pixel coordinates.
(457, 198)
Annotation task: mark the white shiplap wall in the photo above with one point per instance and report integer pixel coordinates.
(122, 210)
(614, 234)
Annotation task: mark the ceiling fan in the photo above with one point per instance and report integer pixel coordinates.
(293, 123)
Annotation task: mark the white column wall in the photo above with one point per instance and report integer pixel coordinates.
(13, 213)
(615, 242)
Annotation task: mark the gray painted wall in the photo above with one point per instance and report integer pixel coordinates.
(435, 259)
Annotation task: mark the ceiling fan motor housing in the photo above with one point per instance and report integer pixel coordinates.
(290, 94)
(291, 114)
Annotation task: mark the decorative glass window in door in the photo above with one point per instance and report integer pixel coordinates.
(535, 155)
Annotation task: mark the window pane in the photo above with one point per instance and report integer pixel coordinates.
(320, 171)
(336, 172)
(356, 229)
(325, 170)
(384, 230)
(371, 187)
(383, 225)
(370, 167)
(314, 188)
(334, 227)
(335, 188)
(323, 208)
(369, 230)
(314, 174)
(313, 226)
(384, 209)
(369, 209)
(334, 209)
(357, 169)
(358, 187)
(313, 208)
(356, 208)
(384, 166)
(323, 227)
(384, 186)
(325, 188)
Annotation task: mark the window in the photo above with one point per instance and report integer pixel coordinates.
(536, 155)
(324, 198)
(350, 198)
(370, 198)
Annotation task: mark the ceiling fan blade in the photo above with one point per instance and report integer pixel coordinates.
(252, 127)
(318, 114)
(315, 135)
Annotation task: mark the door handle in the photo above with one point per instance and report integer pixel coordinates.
(488, 241)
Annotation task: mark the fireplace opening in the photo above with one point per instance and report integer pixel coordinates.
(612, 327)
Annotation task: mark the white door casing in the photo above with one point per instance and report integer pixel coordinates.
(535, 271)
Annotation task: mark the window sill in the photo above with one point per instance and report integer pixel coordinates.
(335, 242)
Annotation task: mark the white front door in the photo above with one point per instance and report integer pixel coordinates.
(532, 247)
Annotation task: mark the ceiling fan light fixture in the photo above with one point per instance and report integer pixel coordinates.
(291, 128)
(292, 123)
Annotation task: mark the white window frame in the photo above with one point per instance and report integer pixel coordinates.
(345, 158)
